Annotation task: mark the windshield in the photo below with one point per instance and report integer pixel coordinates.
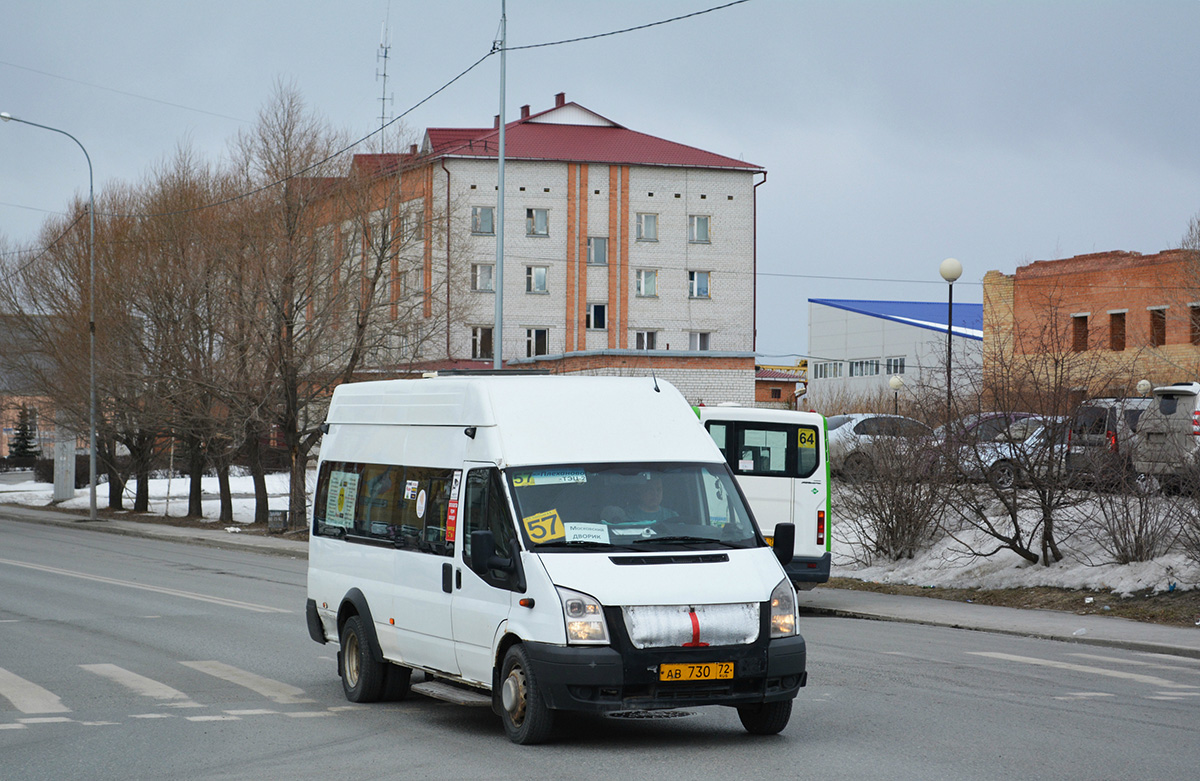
(631, 507)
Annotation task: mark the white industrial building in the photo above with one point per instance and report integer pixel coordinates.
(856, 347)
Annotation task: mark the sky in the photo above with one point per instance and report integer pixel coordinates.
(894, 134)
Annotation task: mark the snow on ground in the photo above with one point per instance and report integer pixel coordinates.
(943, 565)
(168, 496)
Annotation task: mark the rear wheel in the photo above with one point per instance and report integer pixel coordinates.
(526, 718)
(362, 676)
(767, 719)
(1147, 484)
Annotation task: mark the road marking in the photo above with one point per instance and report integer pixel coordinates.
(284, 694)
(144, 587)
(1136, 663)
(28, 697)
(12, 726)
(312, 714)
(1079, 668)
(46, 720)
(1083, 695)
(252, 712)
(151, 716)
(139, 684)
(213, 718)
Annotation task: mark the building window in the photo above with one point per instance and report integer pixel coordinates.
(643, 340)
(868, 368)
(483, 220)
(535, 279)
(776, 393)
(1194, 317)
(537, 222)
(895, 365)
(597, 251)
(1079, 338)
(481, 277)
(537, 341)
(828, 370)
(1116, 330)
(1158, 327)
(595, 317)
(698, 284)
(481, 342)
(698, 228)
(699, 340)
(647, 227)
(411, 227)
(647, 283)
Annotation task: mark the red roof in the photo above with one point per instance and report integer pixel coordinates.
(529, 139)
(775, 374)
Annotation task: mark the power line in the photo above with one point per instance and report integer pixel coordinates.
(627, 29)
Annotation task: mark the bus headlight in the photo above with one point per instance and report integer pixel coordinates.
(584, 618)
(783, 610)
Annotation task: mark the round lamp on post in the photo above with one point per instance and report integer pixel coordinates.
(896, 383)
(950, 270)
(1143, 387)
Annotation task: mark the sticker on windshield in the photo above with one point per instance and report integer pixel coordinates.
(343, 495)
(548, 477)
(587, 532)
(410, 490)
(544, 527)
(808, 437)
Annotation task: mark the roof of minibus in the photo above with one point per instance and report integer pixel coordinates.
(765, 414)
(541, 419)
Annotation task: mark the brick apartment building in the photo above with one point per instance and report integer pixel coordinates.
(1128, 316)
(624, 253)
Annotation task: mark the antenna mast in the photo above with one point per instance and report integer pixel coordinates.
(385, 46)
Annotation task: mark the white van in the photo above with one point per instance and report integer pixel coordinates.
(1167, 444)
(781, 461)
(550, 543)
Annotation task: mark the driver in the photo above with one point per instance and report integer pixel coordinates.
(646, 508)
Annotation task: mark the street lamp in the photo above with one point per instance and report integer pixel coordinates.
(950, 270)
(896, 383)
(1143, 387)
(4, 115)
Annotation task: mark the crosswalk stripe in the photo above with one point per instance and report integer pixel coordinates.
(1137, 663)
(28, 697)
(140, 684)
(1080, 668)
(144, 587)
(284, 694)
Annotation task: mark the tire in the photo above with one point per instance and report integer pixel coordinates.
(1002, 475)
(767, 719)
(397, 680)
(526, 718)
(362, 676)
(1147, 484)
(857, 468)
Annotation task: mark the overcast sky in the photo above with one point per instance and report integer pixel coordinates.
(895, 134)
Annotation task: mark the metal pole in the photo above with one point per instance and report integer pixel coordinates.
(949, 351)
(498, 339)
(91, 310)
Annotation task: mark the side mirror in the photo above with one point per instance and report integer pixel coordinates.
(785, 542)
(483, 553)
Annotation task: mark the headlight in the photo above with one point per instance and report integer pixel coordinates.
(783, 610)
(584, 617)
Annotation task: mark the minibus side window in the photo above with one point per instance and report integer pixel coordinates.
(485, 509)
(336, 500)
(808, 440)
(425, 495)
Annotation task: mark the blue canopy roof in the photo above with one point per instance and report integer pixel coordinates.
(968, 318)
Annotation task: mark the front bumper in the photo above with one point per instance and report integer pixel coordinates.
(581, 678)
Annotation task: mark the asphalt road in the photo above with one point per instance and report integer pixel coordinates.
(126, 658)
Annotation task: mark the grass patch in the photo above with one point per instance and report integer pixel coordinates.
(1177, 608)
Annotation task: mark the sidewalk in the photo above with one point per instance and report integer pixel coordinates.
(1049, 624)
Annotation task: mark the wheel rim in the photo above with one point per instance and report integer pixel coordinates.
(513, 695)
(352, 661)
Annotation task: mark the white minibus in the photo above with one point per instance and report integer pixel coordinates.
(780, 459)
(542, 544)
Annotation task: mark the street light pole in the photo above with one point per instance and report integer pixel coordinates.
(4, 115)
(951, 270)
(896, 383)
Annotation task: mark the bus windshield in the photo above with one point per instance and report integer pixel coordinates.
(631, 506)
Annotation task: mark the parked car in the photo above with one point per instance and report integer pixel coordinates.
(1100, 448)
(855, 439)
(1167, 444)
(1012, 451)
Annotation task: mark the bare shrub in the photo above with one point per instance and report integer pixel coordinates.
(1133, 526)
(895, 511)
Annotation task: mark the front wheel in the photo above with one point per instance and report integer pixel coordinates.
(526, 718)
(767, 719)
(1002, 475)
